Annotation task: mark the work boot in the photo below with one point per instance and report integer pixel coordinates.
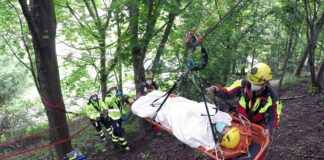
(127, 149)
(102, 135)
(110, 131)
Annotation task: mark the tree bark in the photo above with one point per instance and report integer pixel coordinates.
(139, 48)
(289, 46)
(320, 76)
(160, 50)
(313, 30)
(138, 66)
(42, 25)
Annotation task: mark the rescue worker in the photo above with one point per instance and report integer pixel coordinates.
(149, 85)
(258, 101)
(96, 110)
(117, 114)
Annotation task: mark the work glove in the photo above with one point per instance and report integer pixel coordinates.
(104, 114)
(124, 118)
(212, 89)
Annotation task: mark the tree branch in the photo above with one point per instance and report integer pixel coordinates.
(31, 68)
(166, 23)
(97, 22)
(32, 26)
(75, 15)
(96, 11)
(108, 16)
(86, 48)
(15, 54)
(294, 97)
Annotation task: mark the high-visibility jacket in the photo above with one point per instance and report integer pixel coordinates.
(95, 108)
(115, 106)
(264, 109)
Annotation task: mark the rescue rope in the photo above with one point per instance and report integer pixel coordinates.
(57, 106)
(32, 135)
(209, 16)
(210, 29)
(48, 145)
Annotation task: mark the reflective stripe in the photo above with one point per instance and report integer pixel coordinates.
(256, 104)
(113, 109)
(121, 138)
(234, 85)
(91, 112)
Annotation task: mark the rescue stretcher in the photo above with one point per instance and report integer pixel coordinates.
(250, 133)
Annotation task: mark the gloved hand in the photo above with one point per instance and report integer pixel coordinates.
(104, 114)
(212, 89)
(266, 132)
(124, 117)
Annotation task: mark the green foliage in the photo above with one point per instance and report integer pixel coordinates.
(19, 118)
(290, 80)
(313, 90)
(100, 147)
(12, 80)
(77, 82)
(131, 127)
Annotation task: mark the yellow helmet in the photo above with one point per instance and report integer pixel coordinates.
(149, 75)
(260, 73)
(232, 138)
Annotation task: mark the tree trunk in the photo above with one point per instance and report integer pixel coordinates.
(42, 25)
(139, 48)
(301, 63)
(164, 39)
(313, 30)
(103, 69)
(138, 66)
(320, 76)
(253, 56)
(289, 46)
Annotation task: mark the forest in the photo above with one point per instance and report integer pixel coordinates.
(56, 54)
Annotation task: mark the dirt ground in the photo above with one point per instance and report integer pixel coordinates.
(300, 135)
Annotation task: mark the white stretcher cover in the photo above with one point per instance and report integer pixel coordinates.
(186, 118)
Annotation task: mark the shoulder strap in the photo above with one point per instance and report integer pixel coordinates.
(96, 107)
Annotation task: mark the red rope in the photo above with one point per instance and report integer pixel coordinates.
(46, 103)
(33, 135)
(57, 106)
(48, 145)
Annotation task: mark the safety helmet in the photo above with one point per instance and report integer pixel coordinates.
(231, 138)
(112, 89)
(149, 75)
(259, 74)
(94, 97)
